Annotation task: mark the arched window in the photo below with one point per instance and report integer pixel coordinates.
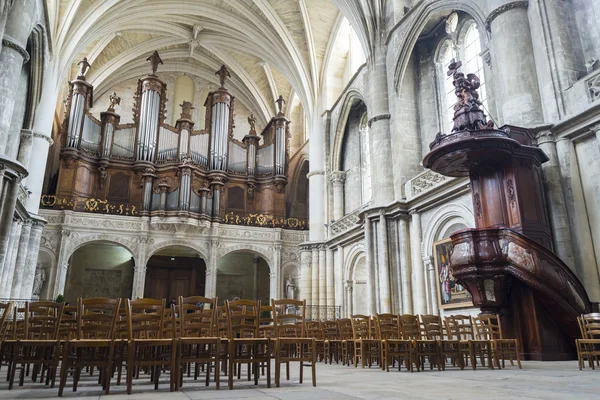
(468, 50)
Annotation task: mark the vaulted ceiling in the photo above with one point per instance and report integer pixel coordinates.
(271, 47)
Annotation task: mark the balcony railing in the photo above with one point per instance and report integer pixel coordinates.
(265, 220)
(323, 313)
(88, 204)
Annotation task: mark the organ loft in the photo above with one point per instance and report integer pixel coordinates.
(182, 174)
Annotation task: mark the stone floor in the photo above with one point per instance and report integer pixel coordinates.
(537, 380)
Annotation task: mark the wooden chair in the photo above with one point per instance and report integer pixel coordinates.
(5, 331)
(121, 340)
(245, 345)
(347, 338)
(424, 348)
(332, 348)
(40, 346)
(588, 347)
(461, 328)
(14, 330)
(489, 327)
(93, 345)
(447, 348)
(366, 347)
(292, 343)
(146, 347)
(266, 328)
(198, 342)
(393, 346)
(222, 331)
(314, 329)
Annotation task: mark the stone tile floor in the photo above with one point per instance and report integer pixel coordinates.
(537, 380)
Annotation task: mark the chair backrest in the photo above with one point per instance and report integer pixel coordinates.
(487, 327)
(266, 325)
(197, 316)
(121, 331)
(97, 317)
(68, 323)
(243, 318)
(5, 310)
(345, 329)
(331, 330)
(15, 328)
(432, 327)
(388, 326)
(314, 329)
(361, 326)
(460, 327)
(591, 325)
(221, 325)
(411, 329)
(289, 317)
(145, 318)
(42, 320)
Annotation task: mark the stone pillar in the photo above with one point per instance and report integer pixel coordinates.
(322, 282)
(9, 202)
(379, 125)
(9, 266)
(430, 267)
(337, 180)
(316, 179)
(330, 282)
(384, 271)
(418, 270)
(370, 265)
(339, 277)
(349, 306)
(12, 58)
(561, 231)
(211, 269)
(25, 145)
(35, 237)
(596, 130)
(140, 267)
(62, 264)
(305, 275)
(518, 96)
(275, 274)
(255, 262)
(20, 260)
(315, 276)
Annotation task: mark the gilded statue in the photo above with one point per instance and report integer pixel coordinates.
(114, 100)
(84, 66)
(154, 61)
(186, 110)
(223, 73)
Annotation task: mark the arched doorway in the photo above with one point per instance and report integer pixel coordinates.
(99, 269)
(359, 283)
(175, 271)
(243, 274)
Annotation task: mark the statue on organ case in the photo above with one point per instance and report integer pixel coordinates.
(84, 65)
(154, 61)
(114, 101)
(223, 73)
(186, 110)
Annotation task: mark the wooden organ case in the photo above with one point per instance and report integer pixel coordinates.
(172, 174)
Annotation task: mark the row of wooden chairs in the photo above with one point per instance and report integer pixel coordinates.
(411, 340)
(145, 335)
(588, 347)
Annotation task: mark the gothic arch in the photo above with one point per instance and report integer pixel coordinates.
(444, 217)
(247, 247)
(415, 25)
(355, 253)
(118, 240)
(351, 97)
(176, 242)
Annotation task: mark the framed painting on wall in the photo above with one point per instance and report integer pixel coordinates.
(450, 293)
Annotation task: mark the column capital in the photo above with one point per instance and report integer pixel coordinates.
(337, 177)
(546, 137)
(502, 9)
(595, 128)
(414, 213)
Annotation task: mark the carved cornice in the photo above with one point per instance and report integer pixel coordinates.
(10, 42)
(377, 118)
(502, 9)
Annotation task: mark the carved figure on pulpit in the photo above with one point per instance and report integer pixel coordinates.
(290, 288)
(155, 60)
(38, 280)
(468, 114)
(84, 65)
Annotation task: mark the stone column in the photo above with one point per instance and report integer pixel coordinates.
(370, 265)
(430, 267)
(139, 279)
(20, 260)
(8, 209)
(25, 144)
(12, 58)
(255, 262)
(596, 130)
(418, 276)
(316, 179)
(349, 306)
(9, 265)
(339, 277)
(211, 269)
(37, 167)
(305, 275)
(322, 282)
(384, 273)
(561, 231)
(337, 180)
(379, 125)
(62, 263)
(315, 276)
(35, 237)
(518, 96)
(275, 278)
(330, 282)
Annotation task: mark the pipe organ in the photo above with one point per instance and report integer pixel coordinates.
(164, 171)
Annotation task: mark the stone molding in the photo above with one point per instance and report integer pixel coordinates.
(10, 42)
(42, 136)
(314, 173)
(502, 9)
(377, 118)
